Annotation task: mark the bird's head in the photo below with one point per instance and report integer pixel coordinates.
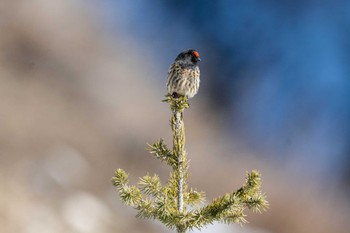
(189, 56)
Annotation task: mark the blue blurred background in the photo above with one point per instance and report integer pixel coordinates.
(80, 90)
(281, 67)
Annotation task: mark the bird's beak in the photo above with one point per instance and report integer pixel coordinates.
(198, 59)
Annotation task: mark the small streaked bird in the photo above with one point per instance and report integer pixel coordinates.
(183, 75)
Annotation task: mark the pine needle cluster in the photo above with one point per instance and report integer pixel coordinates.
(175, 204)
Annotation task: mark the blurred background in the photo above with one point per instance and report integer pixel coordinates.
(81, 84)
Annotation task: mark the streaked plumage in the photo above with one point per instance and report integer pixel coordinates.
(183, 75)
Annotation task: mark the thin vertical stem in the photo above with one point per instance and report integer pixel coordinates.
(179, 144)
(178, 105)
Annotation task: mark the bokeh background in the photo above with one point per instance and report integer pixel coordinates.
(81, 84)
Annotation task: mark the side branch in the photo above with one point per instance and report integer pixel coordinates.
(160, 151)
(229, 208)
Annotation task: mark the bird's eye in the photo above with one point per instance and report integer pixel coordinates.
(196, 54)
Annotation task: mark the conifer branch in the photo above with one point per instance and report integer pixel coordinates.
(160, 151)
(169, 204)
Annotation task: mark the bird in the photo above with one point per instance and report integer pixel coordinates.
(183, 75)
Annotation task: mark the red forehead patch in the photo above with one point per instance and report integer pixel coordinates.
(196, 54)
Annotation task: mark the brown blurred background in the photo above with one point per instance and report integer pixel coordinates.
(78, 101)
